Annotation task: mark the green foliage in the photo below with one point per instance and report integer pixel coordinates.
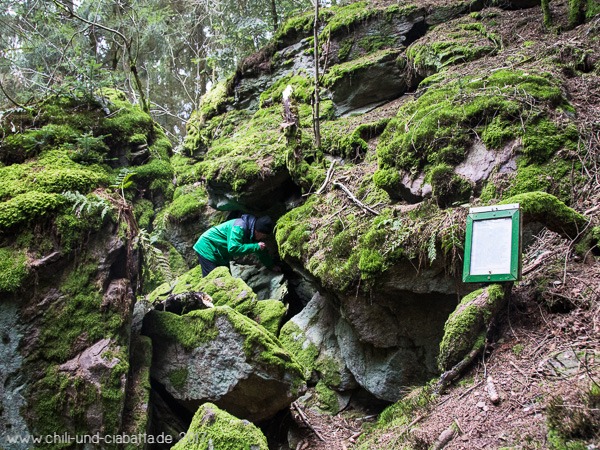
(88, 205)
(13, 269)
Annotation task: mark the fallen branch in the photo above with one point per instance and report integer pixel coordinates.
(354, 199)
(327, 178)
(538, 262)
(450, 375)
(306, 421)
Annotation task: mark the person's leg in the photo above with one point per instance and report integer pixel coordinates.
(207, 265)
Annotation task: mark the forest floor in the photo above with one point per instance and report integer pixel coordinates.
(543, 352)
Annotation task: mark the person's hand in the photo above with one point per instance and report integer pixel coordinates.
(262, 245)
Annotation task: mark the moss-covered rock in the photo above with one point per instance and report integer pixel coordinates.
(453, 113)
(453, 43)
(550, 211)
(219, 355)
(466, 328)
(225, 290)
(212, 427)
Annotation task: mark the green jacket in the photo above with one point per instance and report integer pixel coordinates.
(224, 242)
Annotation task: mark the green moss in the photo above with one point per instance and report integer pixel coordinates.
(269, 314)
(255, 149)
(24, 208)
(212, 427)
(144, 212)
(555, 177)
(395, 418)
(554, 214)
(197, 327)
(345, 70)
(294, 340)
(302, 90)
(13, 269)
(572, 428)
(188, 206)
(437, 127)
(327, 398)
(214, 101)
(447, 186)
(178, 377)
(452, 44)
(370, 264)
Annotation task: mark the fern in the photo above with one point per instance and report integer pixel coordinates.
(123, 180)
(88, 205)
(431, 250)
(154, 256)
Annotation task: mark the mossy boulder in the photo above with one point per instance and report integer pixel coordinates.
(219, 355)
(212, 427)
(472, 122)
(456, 42)
(546, 209)
(310, 337)
(225, 290)
(465, 329)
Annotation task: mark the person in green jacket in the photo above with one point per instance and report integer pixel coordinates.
(220, 244)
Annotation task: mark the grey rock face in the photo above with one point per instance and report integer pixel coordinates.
(11, 380)
(264, 283)
(221, 369)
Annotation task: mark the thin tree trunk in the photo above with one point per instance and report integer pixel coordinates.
(316, 114)
(274, 15)
(547, 13)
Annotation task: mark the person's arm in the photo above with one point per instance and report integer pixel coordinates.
(236, 245)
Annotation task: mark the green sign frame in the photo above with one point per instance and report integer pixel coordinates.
(476, 216)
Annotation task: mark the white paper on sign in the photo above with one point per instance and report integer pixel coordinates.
(491, 246)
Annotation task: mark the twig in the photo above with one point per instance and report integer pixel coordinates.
(538, 262)
(354, 199)
(306, 421)
(327, 178)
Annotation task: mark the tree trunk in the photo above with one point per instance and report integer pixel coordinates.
(274, 15)
(547, 13)
(316, 113)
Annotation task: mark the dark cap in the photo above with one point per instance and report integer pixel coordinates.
(264, 224)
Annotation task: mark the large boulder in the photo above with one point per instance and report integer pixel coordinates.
(214, 428)
(221, 356)
(224, 289)
(310, 336)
